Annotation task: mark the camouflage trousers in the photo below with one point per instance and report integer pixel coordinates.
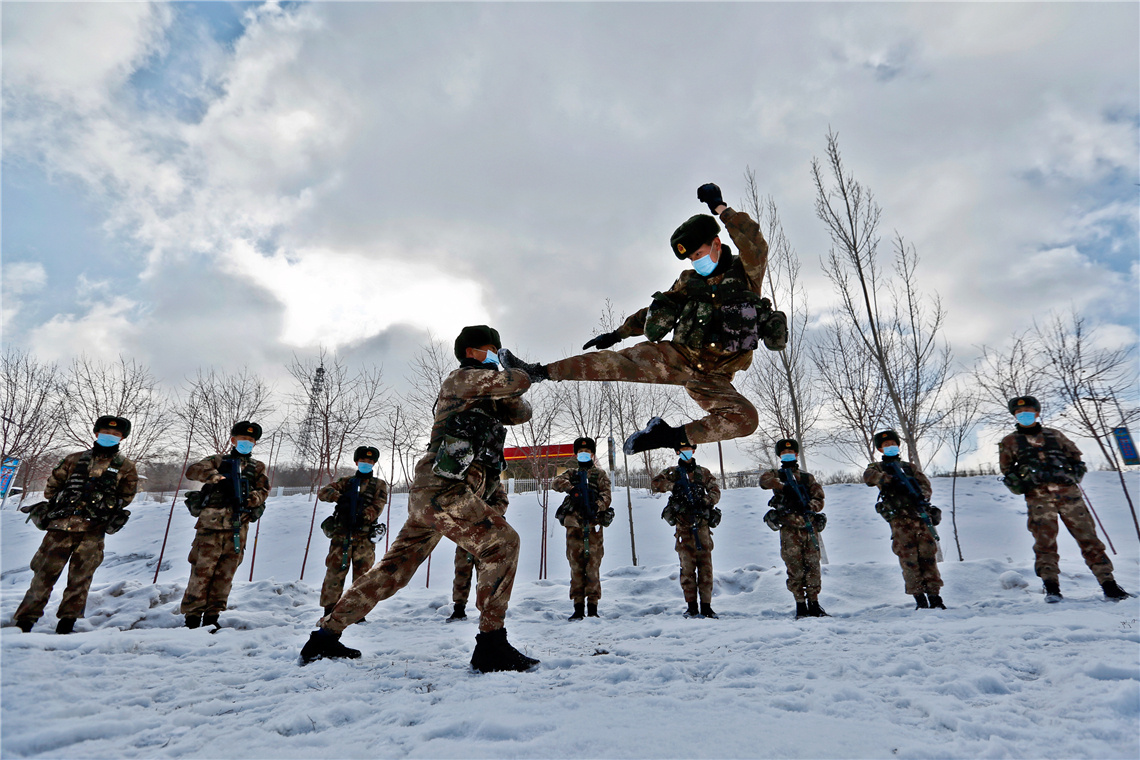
(84, 550)
(916, 549)
(361, 556)
(801, 557)
(1048, 503)
(213, 563)
(464, 569)
(585, 571)
(434, 512)
(696, 564)
(730, 415)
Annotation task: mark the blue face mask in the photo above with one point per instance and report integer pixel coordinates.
(244, 447)
(704, 265)
(585, 456)
(107, 440)
(491, 359)
(890, 451)
(789, 457)
(1026, 419)
(686, 455)
(365, 467)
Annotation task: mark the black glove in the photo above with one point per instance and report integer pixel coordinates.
(710, 194)
(603, 341)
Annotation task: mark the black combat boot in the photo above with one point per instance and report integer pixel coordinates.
(579, 611)
(707, 611)
(1112, 592)
(65, 625)
(658, 434)
(193, 620)
(815, 610)
(493, 653)
(459, 612)
(802, 610)
(536, 372)
(920, 602)
(211, 618)
(25, 624)
(1053, 591)
(592, 609)
(692, 611)
(936, 602)
(324, 643)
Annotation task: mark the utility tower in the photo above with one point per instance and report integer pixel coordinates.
(305, 438)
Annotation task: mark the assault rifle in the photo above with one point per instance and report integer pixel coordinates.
(239, 495)
(589, 509)
(797, 498)
(352, 497)
(920, 503)
(691, 501)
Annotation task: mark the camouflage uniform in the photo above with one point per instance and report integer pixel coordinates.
(800, 553)
(697, 357)
(361, 551)
(585, 560)
(465, 563)
(213, 558)
(458, 509)
(696, 564)
(76, 539)
(1051, 494)
(910, 538)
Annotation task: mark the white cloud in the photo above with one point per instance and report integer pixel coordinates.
(107, 329)
(20, 278)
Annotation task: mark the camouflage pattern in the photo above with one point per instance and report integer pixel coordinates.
(460, 510)
(910, 538)
(705, 370)
(800, 554)
(465, 563)
(585, 569)
(75, 541)
(213, 558)
(696, 564)
(1049, 501)
(361, 550)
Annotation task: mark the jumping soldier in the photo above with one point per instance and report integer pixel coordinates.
(86, 498)
(233, 497)
(584, 513)
(455, 484)
(692, 510)
(717, 316)
(797, 512)
(354, 524)
(465, 563)
(912, 538)
(1045, 466)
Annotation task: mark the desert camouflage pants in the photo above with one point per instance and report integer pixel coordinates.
(585, 571)
(457, 513)
(730, 415)
(213, 563)
(916, 549)
(1048, 503)
(696, 564)
(84, 550)
(361, 556)
(464, 569)
(801, 557)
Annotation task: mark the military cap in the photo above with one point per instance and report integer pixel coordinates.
(371, 452)
(246, 428)
(886, 435)
(695, 232)
(1022, 403)
(474, 336)
(585, 442)
(784, 444)
(111, 422)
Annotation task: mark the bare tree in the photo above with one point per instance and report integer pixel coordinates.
(958, 426)
(1004, 374)
(532, 436)
(30, 411)
(431, 364)
(213, 401)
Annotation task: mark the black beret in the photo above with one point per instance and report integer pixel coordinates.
(474, 336)
(585, 442)
(366, 451)
(110, 422)
(695, 232)
(784, 444)
(885, 435)
(246, 428)
(1022, 402)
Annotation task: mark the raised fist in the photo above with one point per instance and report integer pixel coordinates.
(711, 195)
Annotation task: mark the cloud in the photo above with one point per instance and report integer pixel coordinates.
(20, 278)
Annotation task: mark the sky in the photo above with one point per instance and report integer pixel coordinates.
(230, 184)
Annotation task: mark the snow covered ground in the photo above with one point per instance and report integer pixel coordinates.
(999, 674)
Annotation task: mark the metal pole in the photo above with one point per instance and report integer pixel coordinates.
(174, 500)
(1085, 496)
(720, 452)
(257, 530)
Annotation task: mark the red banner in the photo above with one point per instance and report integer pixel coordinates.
(556, 451)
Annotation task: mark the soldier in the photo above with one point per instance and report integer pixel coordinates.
(461, 585)
(584, 513)
(1046, 467)
(912, 540)
(693, 495)
(86, 494)
(353, 525)
(233, 497)
(717, 317)
(455, 484)
(797, 512)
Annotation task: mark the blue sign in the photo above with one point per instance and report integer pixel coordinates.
(8, 474)
(1126, 446)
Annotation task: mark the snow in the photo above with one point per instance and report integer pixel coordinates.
(998, 674)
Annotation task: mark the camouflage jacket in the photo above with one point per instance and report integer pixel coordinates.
(1031, 458)
(894, 494)
(567, 482)
(215, 514)
(701, 480)
(704, 311)
(373, 497)
(770, 481)
(126, 484)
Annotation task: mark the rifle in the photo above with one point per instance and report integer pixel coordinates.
(918, 501)
(353, 498)
(798, 499)
(589, 510)
(690, 500)
(239, 494)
